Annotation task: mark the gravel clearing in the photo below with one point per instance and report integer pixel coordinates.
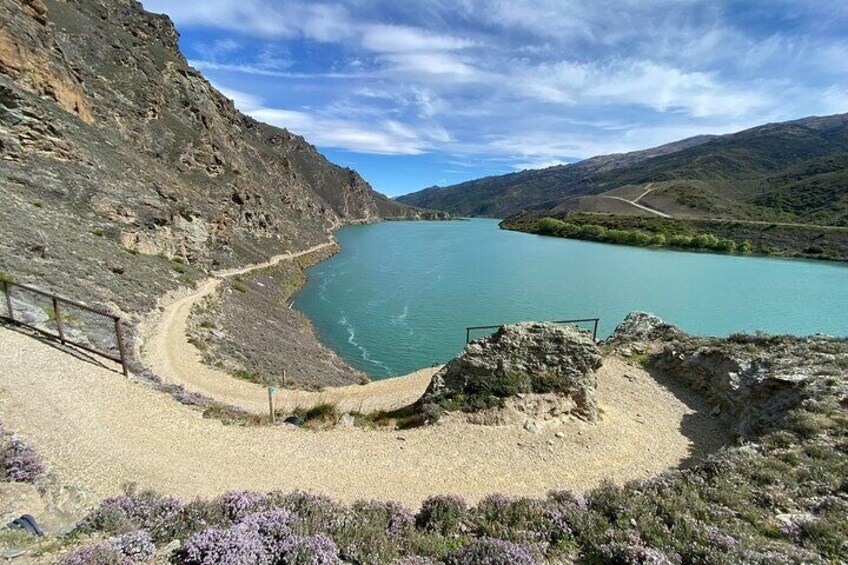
(97, 431)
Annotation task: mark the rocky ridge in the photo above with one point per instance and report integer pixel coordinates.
(118, 157)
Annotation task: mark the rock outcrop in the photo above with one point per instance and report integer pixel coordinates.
(754, 381)
(530, 366)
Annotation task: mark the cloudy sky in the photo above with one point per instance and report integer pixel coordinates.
(423, 92)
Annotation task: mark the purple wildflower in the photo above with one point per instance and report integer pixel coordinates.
(311, 550)
(143, 512)
(239, 503)
(488, 551)
(99, 554)
(127, 549)
(239, 545)
(20, 462)
(135, 546)
(273, 528)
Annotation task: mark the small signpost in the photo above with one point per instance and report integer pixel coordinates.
(271, 391)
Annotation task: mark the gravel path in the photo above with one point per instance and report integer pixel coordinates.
(170, 355)
(98, 430)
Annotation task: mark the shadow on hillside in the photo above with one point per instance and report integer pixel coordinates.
(707, 433)
(56, 344)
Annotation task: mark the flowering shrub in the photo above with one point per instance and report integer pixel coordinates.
(127, 549)
(311, 550)
(20, 463)
(99, 554)
(134, 546)
(239, 545)
(487, 551)
(445, 515)
(238, 504)
(126, 513)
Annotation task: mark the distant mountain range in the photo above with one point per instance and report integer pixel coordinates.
(790, 172)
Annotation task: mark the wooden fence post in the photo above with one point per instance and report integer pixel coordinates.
(9, 310)
(119, 334)
(58, 320)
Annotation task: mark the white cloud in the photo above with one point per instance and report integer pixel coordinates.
(400, 39)
(330, 129)
(527, 82)
(645, 83)
(542, 164)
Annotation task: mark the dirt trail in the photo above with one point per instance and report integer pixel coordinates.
(168, 353)
(97, 430)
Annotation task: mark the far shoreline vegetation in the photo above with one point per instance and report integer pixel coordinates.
(728, 237)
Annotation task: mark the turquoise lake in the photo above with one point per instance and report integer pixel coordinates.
(400, 294)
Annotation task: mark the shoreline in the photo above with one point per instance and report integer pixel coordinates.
(758, 235)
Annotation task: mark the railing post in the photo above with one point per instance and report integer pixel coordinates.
(58, 320)
(467, 336)
(119, 333)
(8, 300)
(595, 331)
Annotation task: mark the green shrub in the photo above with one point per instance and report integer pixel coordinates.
(725, 246)
(549, 226)
(445, 515)
(319, 416)
(680, 241)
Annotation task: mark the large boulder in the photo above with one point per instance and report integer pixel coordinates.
(643, 326)
(521, 359)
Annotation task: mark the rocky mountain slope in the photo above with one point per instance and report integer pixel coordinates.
(126, 174)
(786, 172)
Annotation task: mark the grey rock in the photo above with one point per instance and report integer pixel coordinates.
(346, 421)
(643, 326)
(520, 359)
(532, 426)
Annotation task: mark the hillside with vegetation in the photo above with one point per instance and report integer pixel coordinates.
(535, 189)
(791, 172)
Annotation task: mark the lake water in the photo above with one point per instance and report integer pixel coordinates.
(400, 294)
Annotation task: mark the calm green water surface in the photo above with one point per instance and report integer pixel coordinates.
(400, 294)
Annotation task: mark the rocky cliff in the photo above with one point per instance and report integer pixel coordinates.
(125, 173)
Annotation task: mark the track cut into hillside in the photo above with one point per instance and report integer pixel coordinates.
(97, 431)
(168, 353)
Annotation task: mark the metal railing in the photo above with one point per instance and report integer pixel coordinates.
(595, 322)
(57, 313)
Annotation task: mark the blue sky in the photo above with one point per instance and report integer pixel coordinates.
(424, 92)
